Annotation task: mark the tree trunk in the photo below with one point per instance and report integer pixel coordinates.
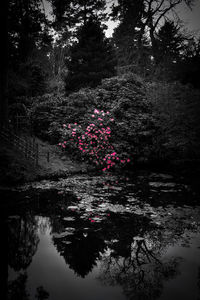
(3, 62)
(153, 41)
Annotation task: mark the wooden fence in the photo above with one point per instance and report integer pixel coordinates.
(27, 146)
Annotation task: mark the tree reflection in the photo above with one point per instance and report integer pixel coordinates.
(141, 274)
(80, 251)
(23, 241)
(17, 288)
(41, 294)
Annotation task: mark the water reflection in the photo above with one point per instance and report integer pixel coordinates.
(23, 241)
(141, 273)
(82, 244)
(99, 237)
(17, 289)
(81, 252)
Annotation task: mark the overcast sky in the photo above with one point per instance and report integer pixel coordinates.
(191, 19)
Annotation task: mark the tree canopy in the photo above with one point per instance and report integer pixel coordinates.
(68, 47)
(92, 57)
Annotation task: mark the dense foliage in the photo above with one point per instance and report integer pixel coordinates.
(176, 108)
(65, 64)
(124, 97)
(92, 58)
(151, 121)
(94, 141)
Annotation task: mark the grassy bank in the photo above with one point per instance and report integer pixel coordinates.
(15, 168)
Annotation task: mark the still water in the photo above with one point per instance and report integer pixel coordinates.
(104, 237)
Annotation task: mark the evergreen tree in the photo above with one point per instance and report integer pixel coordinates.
(26, 22)
(29, 43)
(188, 68)
(131, 45)
(92, 57)
(70, 13)
(63, 12)
(169, 43)
(85, 9)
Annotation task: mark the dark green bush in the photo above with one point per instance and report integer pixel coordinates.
(152, 121)
(176, 108)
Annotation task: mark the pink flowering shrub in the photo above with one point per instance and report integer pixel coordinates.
(94, 140)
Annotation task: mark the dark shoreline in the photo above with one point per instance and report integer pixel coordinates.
(189, 170)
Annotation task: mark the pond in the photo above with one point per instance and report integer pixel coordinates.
(102, 237)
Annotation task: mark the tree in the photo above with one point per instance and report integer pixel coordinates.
(57, 57)
(85, 9)
(169, 43)
(26, 22)
(188, 68)
(157, 11)
(70, 17)
(63, 12)
(92, 57)
(126, 34)
(70, 13)
(29, 42)
(139, 24)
